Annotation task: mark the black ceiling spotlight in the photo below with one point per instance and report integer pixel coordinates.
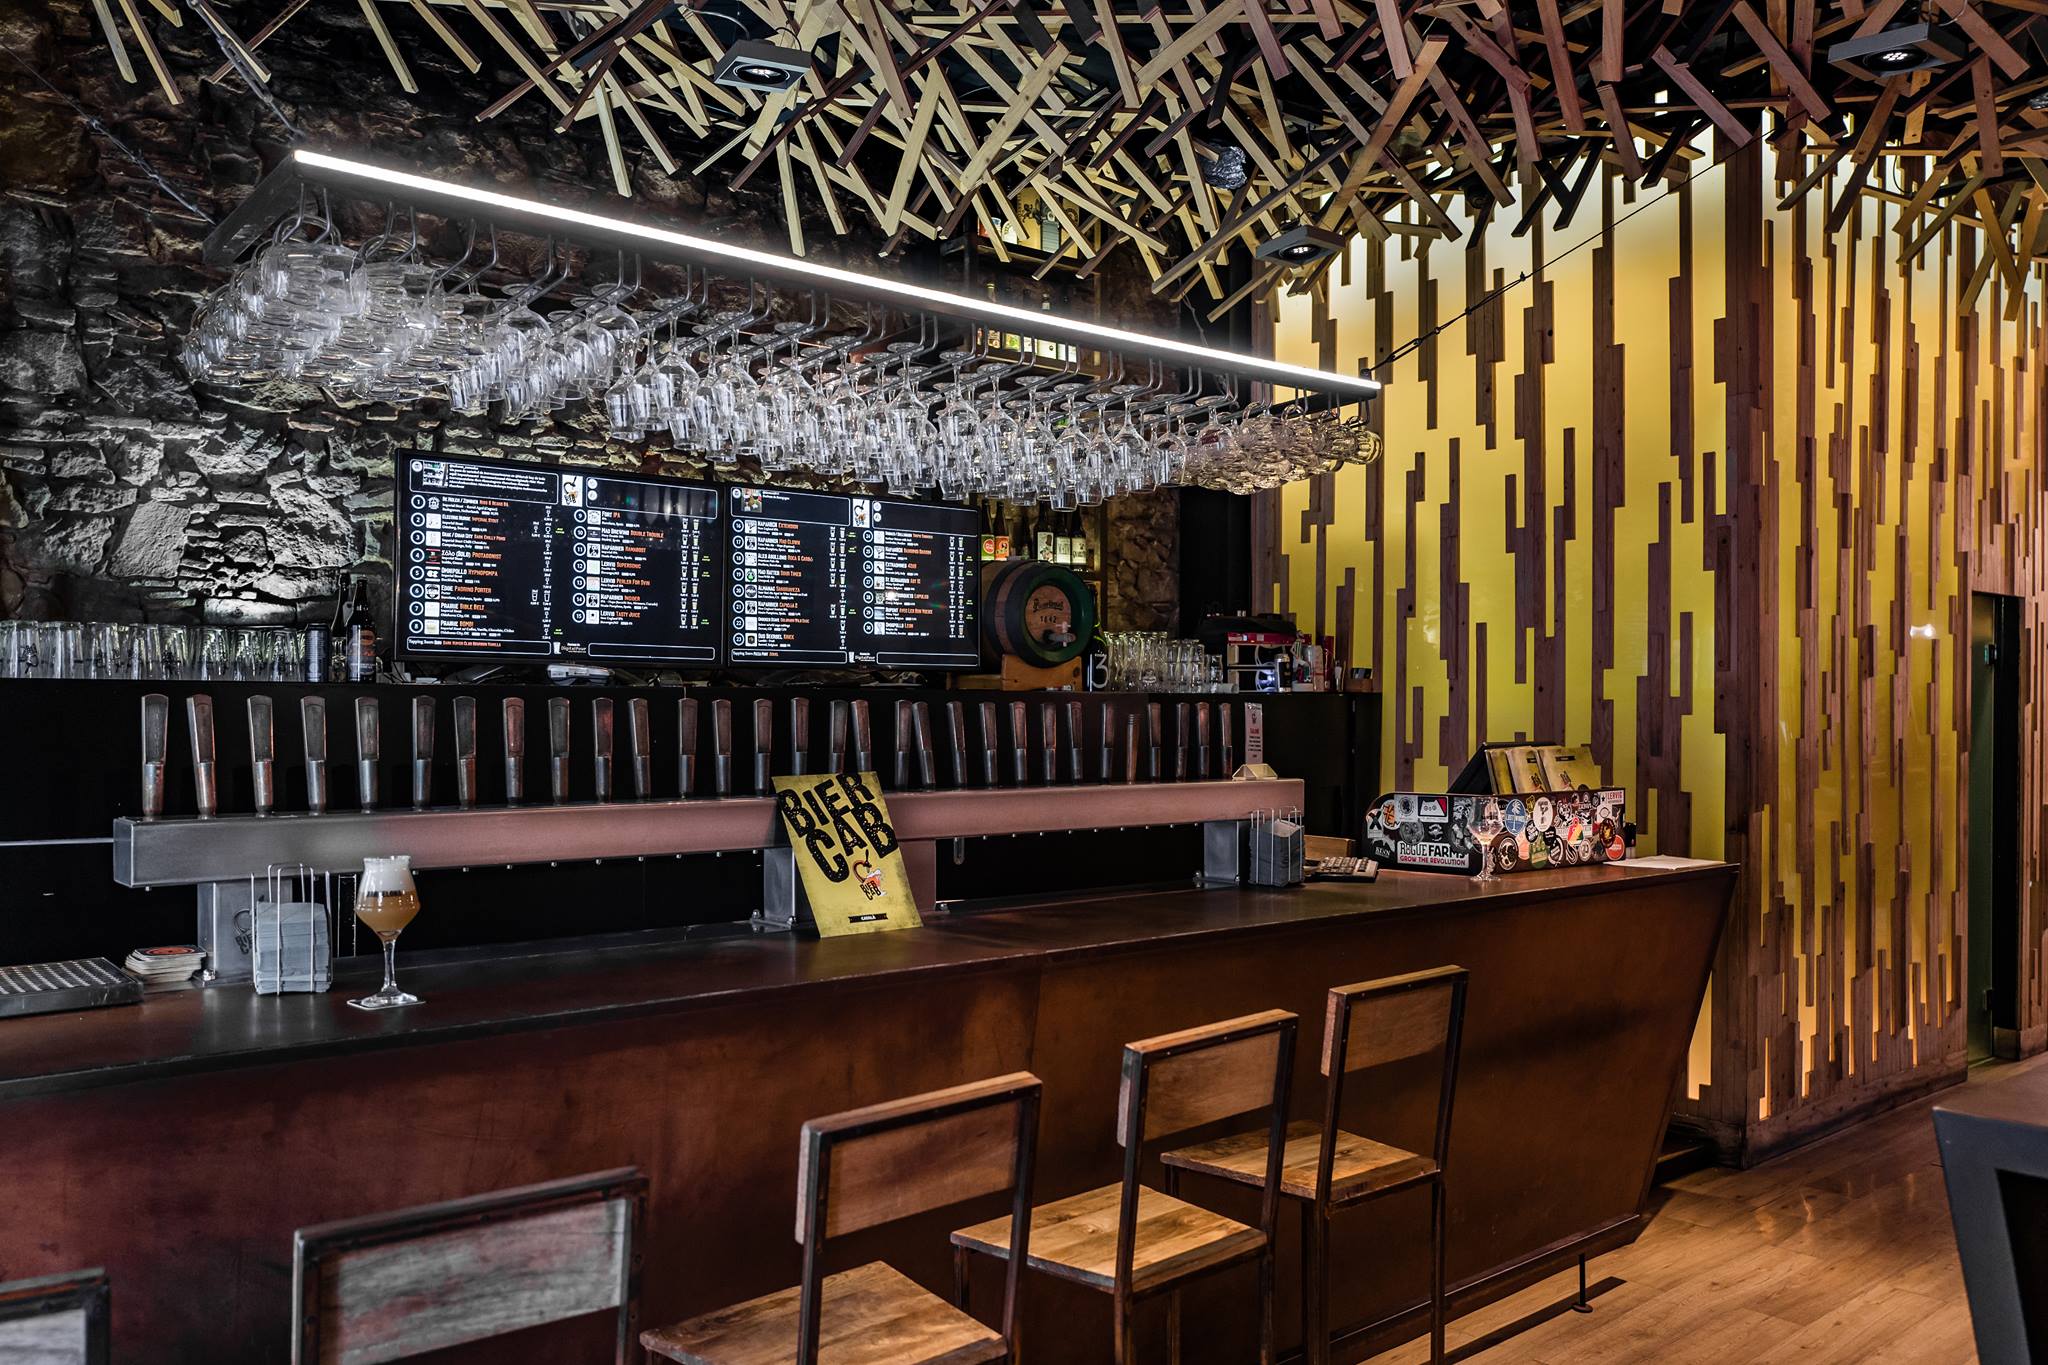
(751, 64)
(1899, 50)
(1301, 243)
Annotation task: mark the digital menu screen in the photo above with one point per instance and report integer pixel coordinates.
(526, 561)
(832, 580)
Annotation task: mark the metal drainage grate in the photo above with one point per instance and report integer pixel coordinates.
(49, 987)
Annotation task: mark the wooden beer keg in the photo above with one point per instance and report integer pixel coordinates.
(1037, 612)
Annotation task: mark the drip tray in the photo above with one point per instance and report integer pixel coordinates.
(56, 987)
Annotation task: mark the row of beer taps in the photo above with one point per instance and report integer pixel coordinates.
(1200, 742)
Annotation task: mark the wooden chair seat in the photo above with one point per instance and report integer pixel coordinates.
(1075, 1239)
(1358, 1167)
(873, 1315)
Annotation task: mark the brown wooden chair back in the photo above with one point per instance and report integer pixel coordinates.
(1390, 1020)
(55, 1320)
(394, 1285)
(1198, 1076)
(871, 1166)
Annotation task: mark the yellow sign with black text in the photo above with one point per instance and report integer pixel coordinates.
(846, 853)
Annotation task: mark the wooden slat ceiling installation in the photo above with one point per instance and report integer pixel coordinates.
(1116, 117)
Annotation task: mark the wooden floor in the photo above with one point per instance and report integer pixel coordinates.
(1838, 1252)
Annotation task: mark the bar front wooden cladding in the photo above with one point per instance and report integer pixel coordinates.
(224, 1122)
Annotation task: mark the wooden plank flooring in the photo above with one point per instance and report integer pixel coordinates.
(1839, 1253)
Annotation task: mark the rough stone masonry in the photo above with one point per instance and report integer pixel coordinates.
(126, 493)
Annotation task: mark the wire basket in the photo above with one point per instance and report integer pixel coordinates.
(1278, 845)
(291, 931)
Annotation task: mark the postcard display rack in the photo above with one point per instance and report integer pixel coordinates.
(1502, 809)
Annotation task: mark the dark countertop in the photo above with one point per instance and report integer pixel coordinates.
(183, 1031)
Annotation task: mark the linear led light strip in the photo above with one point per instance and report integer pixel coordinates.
(1022, 320)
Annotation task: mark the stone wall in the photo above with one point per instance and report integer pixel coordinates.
(126, 493)
(1142, 582)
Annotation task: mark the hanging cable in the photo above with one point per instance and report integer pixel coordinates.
(232, 51)
(1492, 294)
(106, 134)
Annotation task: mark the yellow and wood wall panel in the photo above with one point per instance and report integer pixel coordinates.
(1708, 492)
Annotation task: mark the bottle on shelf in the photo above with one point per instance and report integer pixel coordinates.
(319, 636)
(361, 635)
(1043, 536)
(990, 528)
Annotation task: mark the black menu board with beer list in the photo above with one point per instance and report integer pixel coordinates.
(832, 580)
(525, 561)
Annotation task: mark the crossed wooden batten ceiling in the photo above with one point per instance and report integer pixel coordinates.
(1191, 131)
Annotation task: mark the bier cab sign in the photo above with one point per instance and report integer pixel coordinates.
(847, 855)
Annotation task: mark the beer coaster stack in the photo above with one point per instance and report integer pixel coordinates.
(164, 966)
(289, 948)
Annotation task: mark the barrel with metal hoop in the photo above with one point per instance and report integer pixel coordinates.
(1039, 612)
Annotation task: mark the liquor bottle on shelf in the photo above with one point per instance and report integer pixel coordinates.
(991, 529)
(1044, 538)
(319, 636)
(337, 631)
(1020, 535)
(1066, 547)
(361, 636)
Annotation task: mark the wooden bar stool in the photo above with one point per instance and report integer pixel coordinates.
(55, 1320)
(859, 1170)
(394, 1285)
(1131, 1241)
(1326, 1168)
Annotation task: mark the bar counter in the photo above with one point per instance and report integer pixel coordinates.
(179, 1143)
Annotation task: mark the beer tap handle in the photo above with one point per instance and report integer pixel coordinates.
(313, 731)
(601, 719)
(1131, 747)
(721, 747)
(989, 744)
(514, 713)
(262, 754)
(369, 750)
(463, 709)
(1074, 772)
(921, 742)
(1202, 741)
(1049, 743)
(640, 744)
(799, 736)
(956, 735)
(1155, 739)
(900, 774)
(764, 743)
(835, 738)
(422, 752)
(686, 747)
(1105, 761)
(156, 745)
(1228, 743)
(863, 737)
(1020, 744)
(1183, 727)
(558, 750)
(205, 776)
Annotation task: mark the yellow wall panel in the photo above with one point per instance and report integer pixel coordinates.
(1551, 548)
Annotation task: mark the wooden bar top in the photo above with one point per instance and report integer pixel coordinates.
(186, 1031)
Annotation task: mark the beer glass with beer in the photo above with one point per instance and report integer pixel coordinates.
(386, 901)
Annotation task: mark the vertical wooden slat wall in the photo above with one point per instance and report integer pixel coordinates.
(1710, 493)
